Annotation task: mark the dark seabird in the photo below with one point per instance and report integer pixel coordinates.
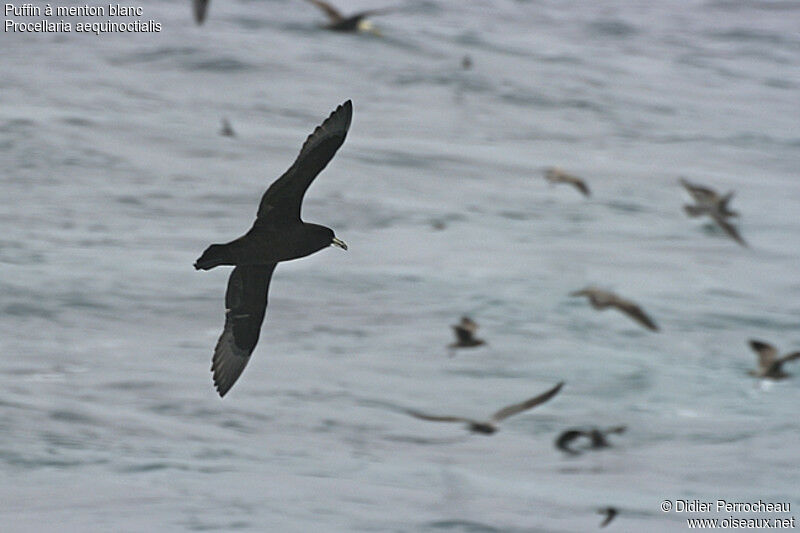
(596, 436)
(353, 23)
(465, 334)
(556, 175)
(466, 62)
(610, 513)
(487, 427)
(708, 202)
(278, 234)
(769, 364)
(706, 195)
(200, 9)
(601, 300)
(227, 129)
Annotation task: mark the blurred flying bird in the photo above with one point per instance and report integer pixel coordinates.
(278, 234)
(465, 334)
(601, 300)
(487, 427)
(610, 513)
(596, 436)
(708, 202)
(227, 129)
(706, 195)
(353, 23)
(556, 175)
(769, 364)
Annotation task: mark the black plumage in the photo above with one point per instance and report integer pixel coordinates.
(278, 234)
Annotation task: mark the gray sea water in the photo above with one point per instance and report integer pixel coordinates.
(114, 179)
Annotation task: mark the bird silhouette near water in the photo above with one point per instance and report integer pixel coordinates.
(769, 364)
(610, 513)
(597, 438)
(278, 234)
(602, 300)
(706, 195)
(556, 175)
(226, 130)
(465, 334)
(708, 202)
(487, 427)
(352, 23)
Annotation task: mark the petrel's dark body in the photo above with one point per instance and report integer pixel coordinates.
(353, 23)
(278, 234)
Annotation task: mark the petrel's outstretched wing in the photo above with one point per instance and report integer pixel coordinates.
(786, 358)
(284, 197)
(581, 186)
(636, 313)
(334, 15)
(505, 412)
(245, 306)
(437, 418)
(200, 8)
(728, 228)
(699, 193)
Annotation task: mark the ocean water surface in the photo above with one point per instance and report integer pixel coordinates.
(115, 178)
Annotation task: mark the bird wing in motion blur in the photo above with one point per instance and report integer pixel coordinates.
(437, 418)
(511, 410)
(727, 227)
(334, 15)
(636, 313)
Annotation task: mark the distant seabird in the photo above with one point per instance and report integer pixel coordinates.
(466, 62)
(487, 427)
(200, 9)
(601, 300)
(596, 436)
(227, 129)
(465, 334)
(278, 234)
(610, 513)
(706, 195)
(708, 202)
(353, 23)
(769, 364)
(556, 175)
